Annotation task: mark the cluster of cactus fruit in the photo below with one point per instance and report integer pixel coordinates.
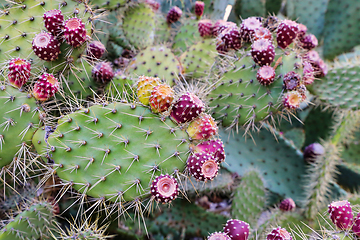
(110, 109)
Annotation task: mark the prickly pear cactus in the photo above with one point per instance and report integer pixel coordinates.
(186, 36)
(115, 150)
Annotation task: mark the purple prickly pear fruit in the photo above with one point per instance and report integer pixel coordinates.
(212, 147)
(312, 151)
(19, 72)
(265, 75)
(320, 69)
(46, 87)
(356, 226)
(153, 4)
(202, 166)
(173, 15)
(205, 28)
(164, 188)
(95, 49)
(308, 73)
(161, 98)
(199, 8)
(341, 214)
(102, 72)
(202, 128)
(229, 39)
(262, 33)
(46, 46)
(291, 80)
(237, 230)
(74, 32)
(279, 234)
(248, 27)
(221, 25)
(218, 236)
(263, 52)
(286, 33)
(292, 100)
(309, 42)
(302, 90)
(287, 205)
(54, 21)
(187, 108)
(302, 31)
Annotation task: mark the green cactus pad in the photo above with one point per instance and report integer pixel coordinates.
(156, 61)
(341, 31)
(114, 151)
(249, 198)
(162, 33)
(121, 87)
(108, 4)
(187, 35)
(272, 7)
(198, 60)
(341, 87)
(32, 223)
(19, 116)
(251, 8)
(139, 25)
(281, 165)
(296, 136)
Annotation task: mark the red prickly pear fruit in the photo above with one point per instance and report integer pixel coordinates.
(218, 236)
(173, 15)
(308, 73)
(309, 42)
(213, 147)
(292, 100)
(202, 128)
(153, 4)
(302, 29)
(287, 205)
(302, 90)
(320, 69)
(341, 214)
(19, 72)
(202, 166)
(262, 33)
(54, 21)
(46, 87)
(187, 108)
(164, 188)
(161, 98)
(221, 25)
(291, 80)
(248, 27)
(199, 8)
(312, 151)
(205, 28)
(95, 50)
(102, 72)
(263, 52)
(74, 32)
(46, 46)
(279, 234)
(229, 39)
(237, 230)
(356, 226)
(286, 33)
(265, 75)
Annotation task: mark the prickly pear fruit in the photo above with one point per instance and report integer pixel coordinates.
(144, 88)
(356, 226)
(312, 151)
(262, 33)
(95, 50)
(102, 72)
(45, 87)
(341, 214)
(173, 15)
(263, 52)
(218, 236)
(308, 73)
(205, 28)
(265, 75)
(19, 72)
(161, 98)
(187, 108)
(164, 188)
(46, 46)
(292, 100)
(229, 39)
(237, 230)
(54, 21)
(291, 80)
(214, 148)
(202, 128)
(202, 166)
(286, 33)
(74, 32)
(287, 205)
(199, 8)
(302, 29)
(309, 42)
(279, 234)
(248, 27)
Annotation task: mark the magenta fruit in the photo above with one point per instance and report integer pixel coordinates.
(46, 46)
(291, 80)
(262, 33)
(95, 50)
(202, 128)
(302, 29)
(74, 32)
(19, 72)
(312, 151)
(287, 205)
(187, 108)
(308, 73)
(229, 39)
(263, 52)
(205, 28)
(292, 100)
(279, 234)
(46, 87)
(102, 72)
(341, 214)
(286, 33)
(248, 27)
(221, 25)
(213, 147)
(309, 42)
(356, 226)
(199, 8)
(265, 75)
(237, 230)
(54, 21)
(164, 188)
(202, 166)
(153, 4)
(218, 236)
(173, 15)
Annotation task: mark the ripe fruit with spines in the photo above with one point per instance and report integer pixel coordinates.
(212, 147)
(309, 42)
(161, 98)
(54, 21)
(153, 4)
(74, 32)
(341, 214)
(19, 72)
(173, 15)
(219, 26)
(302, 29)
(186, 108)
(218, 236)
(202, 166)
(205, 28)
(95, 50)
(356, 226)
(202, 128)
(291, 80)
(263, 52)
(265, 75)
(248, 27)
(279, 234)
(286, 33)
(164, 188)
(145, 86)
(287, 205)
(312, 151)
(262, 33)
(199, 9)
(46, 46)
(292, 100)
(102, 72)
(45, 87)
(237, 230)
(228, 39)
(308, 73)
